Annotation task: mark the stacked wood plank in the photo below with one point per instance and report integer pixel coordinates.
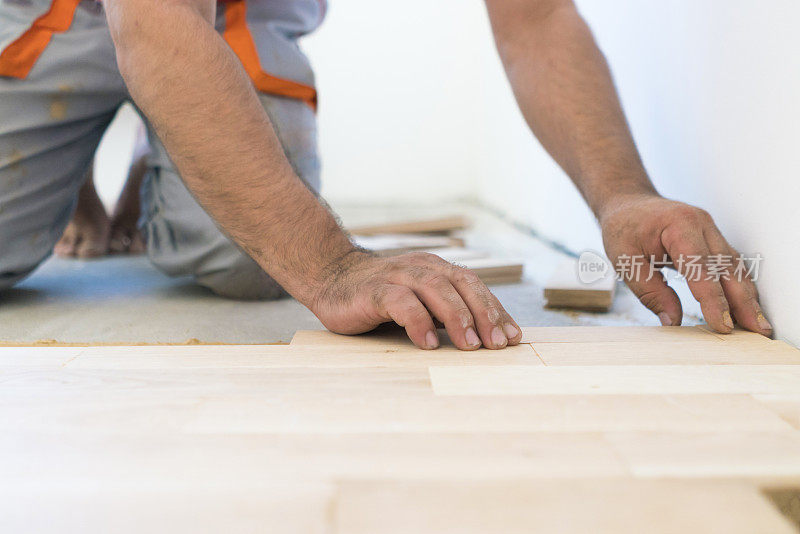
(564, 289)
(579, 429)
(437, 237)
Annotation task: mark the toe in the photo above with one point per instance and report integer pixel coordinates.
(90, 248)
(126, 241)
(65, 247)
(137, 243)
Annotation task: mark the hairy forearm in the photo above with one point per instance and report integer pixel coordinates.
(201, 103)
(564, 88)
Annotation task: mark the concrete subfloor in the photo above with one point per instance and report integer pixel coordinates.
(126, 300)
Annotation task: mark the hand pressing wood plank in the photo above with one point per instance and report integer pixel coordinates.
(395, 336)
(565, 289)
(616, 380)
(424, 226)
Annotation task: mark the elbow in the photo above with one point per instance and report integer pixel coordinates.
(516, 23)
(140, 28)
(130, 31)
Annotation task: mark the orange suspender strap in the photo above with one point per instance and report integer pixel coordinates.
(18, 58)
(238, 37)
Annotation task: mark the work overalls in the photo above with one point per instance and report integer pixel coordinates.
(59, 90)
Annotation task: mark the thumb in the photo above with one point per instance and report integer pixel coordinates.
(659, 298)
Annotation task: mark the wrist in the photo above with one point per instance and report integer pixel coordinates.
(622, 194)
(333, 270)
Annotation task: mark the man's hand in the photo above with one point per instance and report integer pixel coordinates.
(362, 291)
(651, 226)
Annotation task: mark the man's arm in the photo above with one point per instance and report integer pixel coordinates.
(564, 88)
(197, 96)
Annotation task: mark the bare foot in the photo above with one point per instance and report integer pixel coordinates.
(125, 235)
(87, 234)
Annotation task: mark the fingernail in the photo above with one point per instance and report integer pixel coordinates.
(726, 319)
(431, 339)
(472, 338)
(763, 324)
(498, 338)
(510, 330)
(664, 318)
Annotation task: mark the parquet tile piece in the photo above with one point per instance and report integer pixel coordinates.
(339, 355)
(615, 380)
(604, 334)
(385, 339)
(734, 454)
(520, 506)
(679, 353)
(36, 357)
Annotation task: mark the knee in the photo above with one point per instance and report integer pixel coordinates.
(243, 280)
(9, 279)
(18, 263)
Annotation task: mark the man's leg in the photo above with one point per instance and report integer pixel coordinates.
(181, 237)
(50, 125)
(87, 233)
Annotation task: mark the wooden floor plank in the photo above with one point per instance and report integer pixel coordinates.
(298, 400)
(664, 454)
(386, 339)
(520, 506)
(325, 413)
(739, 335)
(615, 380)
(78, 508)
(329, 400)
(178, 460)
(604, 334)
(339, 355)
(787, 406)
(683, 353)
(36, 357)
(618, 430)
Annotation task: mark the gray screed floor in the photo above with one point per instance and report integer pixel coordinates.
(125, 300)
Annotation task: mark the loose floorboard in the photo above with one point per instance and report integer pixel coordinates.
(590, 429)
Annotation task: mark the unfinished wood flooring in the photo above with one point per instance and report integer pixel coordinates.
(595, 429)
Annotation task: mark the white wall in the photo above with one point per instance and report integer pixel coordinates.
(399, 117)
(712, 92)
